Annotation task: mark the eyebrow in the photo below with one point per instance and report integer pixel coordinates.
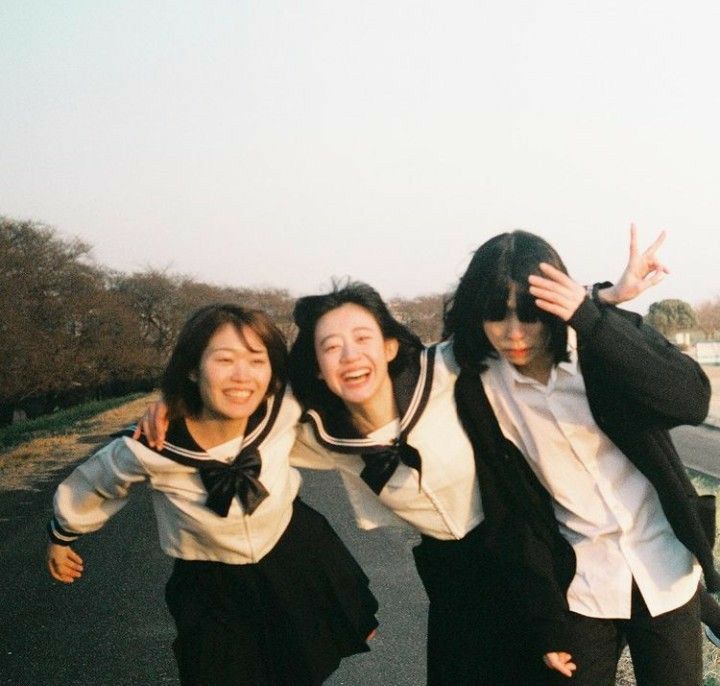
(224, 348)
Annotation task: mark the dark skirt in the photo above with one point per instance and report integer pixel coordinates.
(475, 636)
(287, 620)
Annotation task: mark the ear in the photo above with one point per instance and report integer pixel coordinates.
(392, 345)
(193, 376)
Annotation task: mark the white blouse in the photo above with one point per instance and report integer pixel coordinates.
(187, 528)
(444, 501)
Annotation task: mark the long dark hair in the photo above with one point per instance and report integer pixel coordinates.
(482, 295)
(309, 389)
(181, 393)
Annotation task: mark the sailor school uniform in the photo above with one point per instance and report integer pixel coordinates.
(254, 566)
(421, 471)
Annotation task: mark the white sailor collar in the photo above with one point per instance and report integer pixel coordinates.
(181, 447)
(411, 388)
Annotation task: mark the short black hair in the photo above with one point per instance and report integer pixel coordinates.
(482, 294)
(308, 388)
(181, 393)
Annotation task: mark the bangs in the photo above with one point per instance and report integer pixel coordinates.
(493, 308)
(527, 311)
(242, 329)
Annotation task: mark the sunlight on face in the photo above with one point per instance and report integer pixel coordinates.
(352, 354)
(234, 374)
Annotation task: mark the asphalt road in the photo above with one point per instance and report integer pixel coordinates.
(112, 628)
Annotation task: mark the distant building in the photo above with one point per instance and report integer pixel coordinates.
(707, 352)
(682, 339)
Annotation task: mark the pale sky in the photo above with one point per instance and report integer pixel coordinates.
(281, 143)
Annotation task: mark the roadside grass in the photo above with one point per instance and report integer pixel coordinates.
(60, 422)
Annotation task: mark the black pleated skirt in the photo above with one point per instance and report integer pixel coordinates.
(475, 636)
(287, 620)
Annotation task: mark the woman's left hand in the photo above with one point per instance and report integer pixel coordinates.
(642, 271)
(555, 292)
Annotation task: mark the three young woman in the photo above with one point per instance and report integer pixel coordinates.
(380, 409)
(262, 590)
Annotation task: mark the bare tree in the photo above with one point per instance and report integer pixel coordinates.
(708, 316)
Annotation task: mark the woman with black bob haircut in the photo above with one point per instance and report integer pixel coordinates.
(263, 592)
(505, 260)
(609, 543)
(380, 410)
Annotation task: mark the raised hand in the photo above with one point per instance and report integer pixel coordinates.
(556, 292)
(642, 271)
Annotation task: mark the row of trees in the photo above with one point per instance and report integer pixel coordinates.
(72, 330)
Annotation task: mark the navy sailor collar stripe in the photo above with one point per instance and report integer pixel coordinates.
(411, 388)
(182, 448)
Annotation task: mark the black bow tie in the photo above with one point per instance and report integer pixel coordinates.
(239, 478)
(380, 465)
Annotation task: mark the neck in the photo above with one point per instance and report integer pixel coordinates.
(209, 432)
(539, 369)
(376, 412)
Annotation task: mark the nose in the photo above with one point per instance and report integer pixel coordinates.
(514, 327)
(349, 351)
(241, 370)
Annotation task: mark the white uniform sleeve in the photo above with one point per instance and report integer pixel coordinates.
(95, 491)
(308, 453)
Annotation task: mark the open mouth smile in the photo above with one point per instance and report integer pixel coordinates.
(356, 376)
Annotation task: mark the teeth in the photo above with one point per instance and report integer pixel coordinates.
(240, 395)
(352, 376)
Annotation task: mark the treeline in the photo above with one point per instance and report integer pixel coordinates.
(72, 330)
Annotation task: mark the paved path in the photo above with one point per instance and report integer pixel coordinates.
(111, 628)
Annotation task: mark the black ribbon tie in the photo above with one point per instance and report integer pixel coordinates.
(238, 478)
(380, 465)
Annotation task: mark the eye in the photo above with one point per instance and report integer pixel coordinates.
(259, 361)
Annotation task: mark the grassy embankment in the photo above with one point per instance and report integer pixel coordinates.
(60, 422)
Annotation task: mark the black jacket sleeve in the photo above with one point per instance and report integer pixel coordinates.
(635, 362)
